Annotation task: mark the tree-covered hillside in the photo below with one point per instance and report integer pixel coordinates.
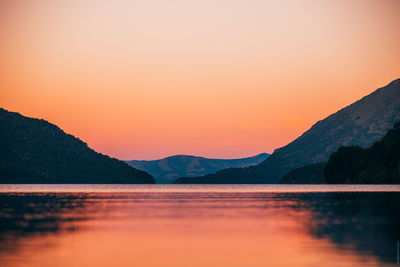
(36, 151)
(379, 164)
(361, 123)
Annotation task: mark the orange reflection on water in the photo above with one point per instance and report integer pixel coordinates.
(167, 229)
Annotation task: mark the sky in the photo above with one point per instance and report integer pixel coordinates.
(223, 79)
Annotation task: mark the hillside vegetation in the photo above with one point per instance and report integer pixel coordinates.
(36, 151)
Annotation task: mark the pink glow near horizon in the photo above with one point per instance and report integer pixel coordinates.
(149, 79)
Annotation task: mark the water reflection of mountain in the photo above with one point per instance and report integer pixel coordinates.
(26, 215)
(366, 222)
(362, 223)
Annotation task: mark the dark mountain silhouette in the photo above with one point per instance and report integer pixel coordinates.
(166, 170)
(361, 123)
(379, 164)
(309, 174)
(225, 176)
(36, 151)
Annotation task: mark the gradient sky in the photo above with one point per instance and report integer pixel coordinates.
(152, 78)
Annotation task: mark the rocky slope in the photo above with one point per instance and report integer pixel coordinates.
(362, 123)
(379, 164)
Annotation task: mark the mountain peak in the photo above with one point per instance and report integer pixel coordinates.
(361, 123)
(168, 169)
(36, 151)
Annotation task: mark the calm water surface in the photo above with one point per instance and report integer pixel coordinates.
(199, 225)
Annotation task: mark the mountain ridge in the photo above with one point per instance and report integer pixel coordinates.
(166, 170)
(378, 164)
(360, 123)
(37, 151)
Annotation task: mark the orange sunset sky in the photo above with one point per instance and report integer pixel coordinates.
(151, 78)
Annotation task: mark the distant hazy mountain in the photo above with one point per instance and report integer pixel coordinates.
(166, 170)
(36, 151)
(361, 123)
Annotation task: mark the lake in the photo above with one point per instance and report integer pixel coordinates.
(199, 225)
